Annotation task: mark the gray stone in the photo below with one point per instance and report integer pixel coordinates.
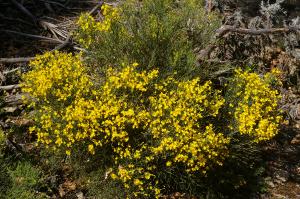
(279, 196)
(80, 195)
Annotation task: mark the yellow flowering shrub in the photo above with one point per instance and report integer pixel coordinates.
(159, 34)
(176, 132)
(155, 116)
(58, 86)
(254, 105)
(178, 123)
(70, 110)
(146, 120)
(88, 27)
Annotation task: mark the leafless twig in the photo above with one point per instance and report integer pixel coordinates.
(11, 71)
(24, 10)
(34, 36)
(226, 29)
(10, 87)
(16, 60)
(96, 7)
(204, 54)
(64, 44)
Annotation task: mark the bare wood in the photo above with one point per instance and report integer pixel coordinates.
(15, 19)
(13, 100)
(11, 71)
(10, 87)
(208, 5)
(226, 29)
(48, 6)
(16, 60)
(99, 5)
(27, 59)
(24, 10)
(33, 36)
(204, 54)
(64, 44)
(57, 3)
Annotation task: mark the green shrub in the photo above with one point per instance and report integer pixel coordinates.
(4, 176)
(135, 97)
(25, 180)
(159, 34)
(99, 185)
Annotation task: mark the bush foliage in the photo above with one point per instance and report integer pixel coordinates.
(136, 92)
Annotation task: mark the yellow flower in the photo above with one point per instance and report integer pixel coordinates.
(68, 152)
(147, 175)
(91, 149)
(137, 182)
(113, 176)
(255, 106)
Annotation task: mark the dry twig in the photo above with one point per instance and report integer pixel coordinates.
(24, 10)
(16, 60)
(226, 29)
(11, 71)
(10, 87)
(34, 36)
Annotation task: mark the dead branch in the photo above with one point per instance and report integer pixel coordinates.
(13, 100)
(34, 36)
(27, 59)
(16, 60)
(15, 19)
(58, 4)
(204, 54)
(64, 44)
(10, 87)
(24, 10)
(53, 29)
(226, 29)
(99, 5)
(48, 7)
(11, 71)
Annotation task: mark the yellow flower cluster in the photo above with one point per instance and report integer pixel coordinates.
(88, 26)
(254, 105)
(177, 132)
(144, 119)
(58, 86)
(58, 76)
(177, 123)
(69, 109)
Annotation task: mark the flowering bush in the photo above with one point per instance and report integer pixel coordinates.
(57, 83)
(155, 33)
(89, 28)
(146, 103)
(167, 118)
(253, 104)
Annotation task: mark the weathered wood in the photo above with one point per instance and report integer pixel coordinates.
(252, 7)
(16, 59)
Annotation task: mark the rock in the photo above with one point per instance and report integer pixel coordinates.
(281, 179)
(296, 53)
(280, 176)
(279, 196)
(80, 195)
(296, 140)
(10, 109)
(270, 184)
